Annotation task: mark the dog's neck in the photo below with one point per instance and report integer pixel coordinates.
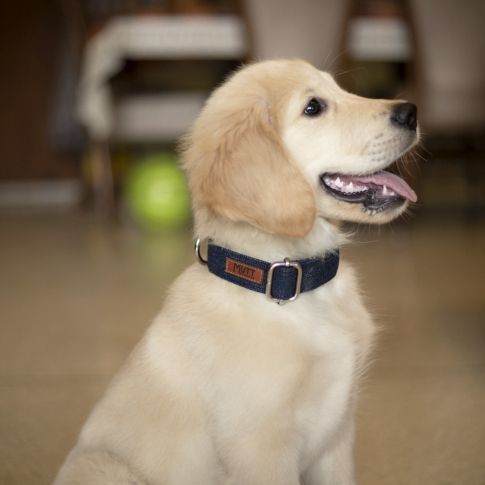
(246, 239)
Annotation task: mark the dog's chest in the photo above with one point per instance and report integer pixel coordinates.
(324, 395)
(324, 399)
(307, 363)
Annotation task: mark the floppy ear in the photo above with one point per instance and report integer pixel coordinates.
(238, 167)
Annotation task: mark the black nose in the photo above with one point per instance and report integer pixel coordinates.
(405, 115)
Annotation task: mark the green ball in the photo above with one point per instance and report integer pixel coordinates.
(156, 193)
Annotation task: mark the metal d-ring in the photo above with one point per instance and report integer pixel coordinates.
(197, 251)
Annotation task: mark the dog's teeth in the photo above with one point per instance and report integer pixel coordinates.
(338, 182)
(386, 191)
(350, 186)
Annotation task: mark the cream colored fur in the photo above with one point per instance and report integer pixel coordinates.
(227, 387)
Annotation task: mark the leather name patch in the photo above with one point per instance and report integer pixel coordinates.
(244, 271)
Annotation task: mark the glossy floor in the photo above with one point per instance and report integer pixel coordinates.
(76, 295)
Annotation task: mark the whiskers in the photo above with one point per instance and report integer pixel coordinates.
(410, 162)
(331, 60)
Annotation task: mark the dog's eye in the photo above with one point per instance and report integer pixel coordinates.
(314, 107)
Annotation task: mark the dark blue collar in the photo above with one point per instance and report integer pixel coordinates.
(281, 281)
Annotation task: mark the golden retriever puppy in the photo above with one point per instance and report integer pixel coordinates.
(248, 376)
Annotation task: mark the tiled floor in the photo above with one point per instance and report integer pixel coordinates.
(75, 296)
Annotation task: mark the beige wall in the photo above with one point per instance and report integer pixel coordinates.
(451, 62)
(310, 29)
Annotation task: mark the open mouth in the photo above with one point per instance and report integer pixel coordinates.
(376, 192)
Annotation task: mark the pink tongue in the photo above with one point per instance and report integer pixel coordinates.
(391, 181)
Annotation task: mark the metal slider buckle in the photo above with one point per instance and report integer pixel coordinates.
(269, 281)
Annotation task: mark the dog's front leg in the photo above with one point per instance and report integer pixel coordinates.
(249, 463)
(336, 465)
(96, 467)
(271, 474)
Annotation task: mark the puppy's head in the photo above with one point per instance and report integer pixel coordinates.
(280, 144)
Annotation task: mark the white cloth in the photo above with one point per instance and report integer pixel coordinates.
(148, 37)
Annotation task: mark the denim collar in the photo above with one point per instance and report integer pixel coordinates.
(280, 281)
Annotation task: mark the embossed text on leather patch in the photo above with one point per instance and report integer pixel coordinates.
(244, 271)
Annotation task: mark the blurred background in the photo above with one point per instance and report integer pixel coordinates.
(95, 216)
